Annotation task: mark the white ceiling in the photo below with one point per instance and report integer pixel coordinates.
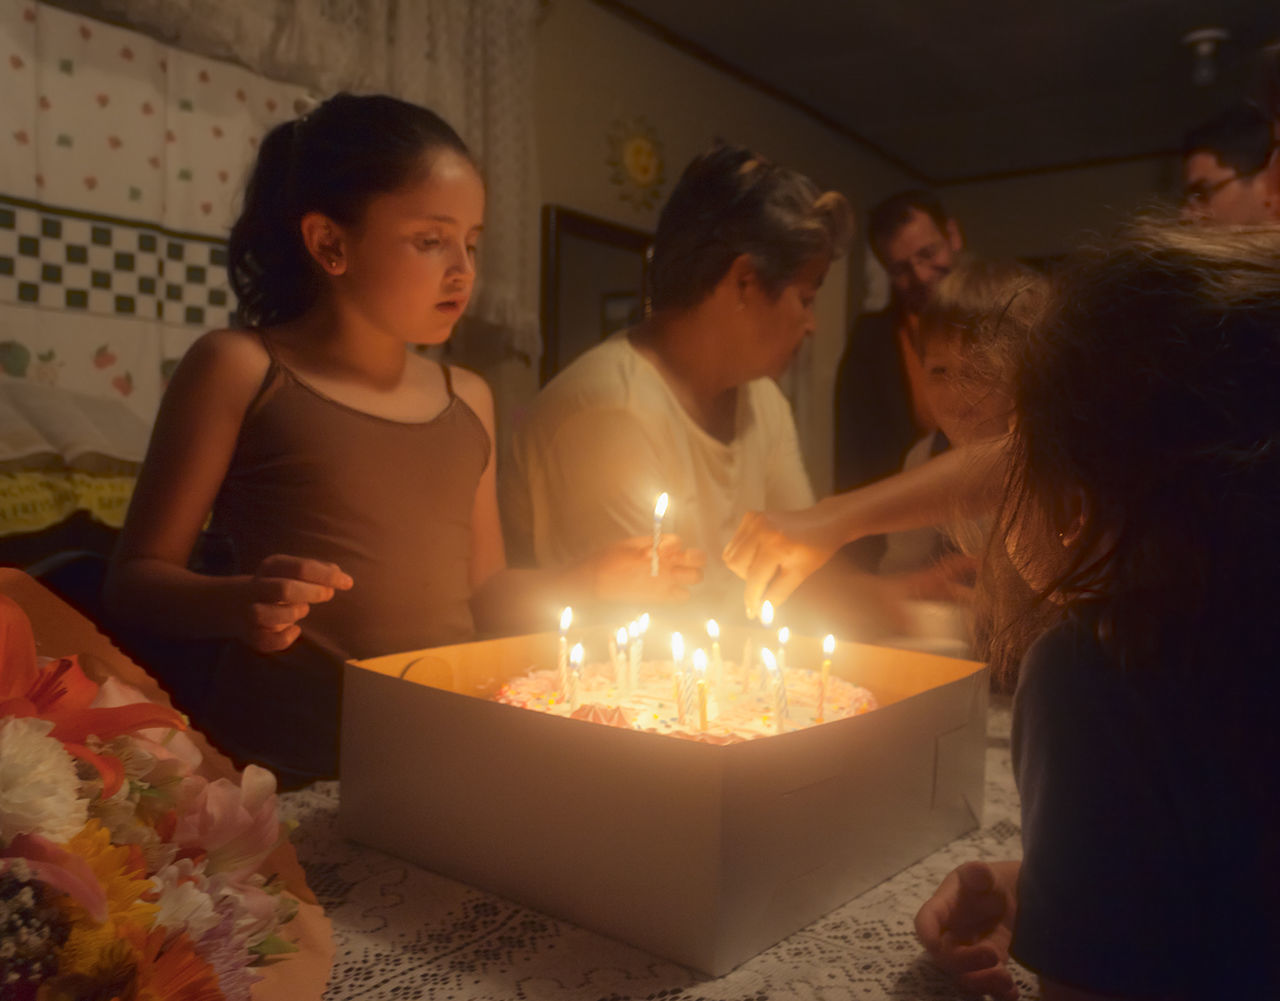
(953, 90)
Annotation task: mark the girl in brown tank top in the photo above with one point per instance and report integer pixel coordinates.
(352, 480)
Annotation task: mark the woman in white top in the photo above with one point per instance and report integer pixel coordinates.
(685, 402)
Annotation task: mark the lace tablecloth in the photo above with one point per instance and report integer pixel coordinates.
(402, 932)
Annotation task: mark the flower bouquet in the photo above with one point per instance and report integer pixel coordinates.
(134, 862)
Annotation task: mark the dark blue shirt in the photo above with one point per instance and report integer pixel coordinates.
(1149, 825)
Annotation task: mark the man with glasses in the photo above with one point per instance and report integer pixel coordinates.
(880, 411)
(1230, 170)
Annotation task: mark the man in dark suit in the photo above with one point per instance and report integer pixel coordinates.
(880, 412)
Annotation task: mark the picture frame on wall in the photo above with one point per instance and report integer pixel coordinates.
(619, 310)
(592, 283)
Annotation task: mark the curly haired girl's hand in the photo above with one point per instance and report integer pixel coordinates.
(967, 925)
(775, 552)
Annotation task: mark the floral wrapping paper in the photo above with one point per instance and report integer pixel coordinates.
(226, 842)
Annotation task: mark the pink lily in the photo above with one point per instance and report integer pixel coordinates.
(65, 871)
(237, 826)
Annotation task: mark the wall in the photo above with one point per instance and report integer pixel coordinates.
(1046, 213)
(596, 69)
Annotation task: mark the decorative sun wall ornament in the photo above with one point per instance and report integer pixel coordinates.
(635, 154)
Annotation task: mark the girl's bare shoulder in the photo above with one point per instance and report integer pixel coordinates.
(231, 362)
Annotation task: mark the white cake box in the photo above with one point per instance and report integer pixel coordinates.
(703, 854)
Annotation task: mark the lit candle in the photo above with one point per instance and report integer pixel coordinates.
(749, 666)
(562, 664)
(659, 512)
(828, 648)
(643, 623)
(700, 677)
(633, 653)
(717, 665)
(784, 634)
(623, 660)
(677, 658)
(779, 686)
(575, 675)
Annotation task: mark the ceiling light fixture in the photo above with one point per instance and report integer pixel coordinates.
(1203, 43)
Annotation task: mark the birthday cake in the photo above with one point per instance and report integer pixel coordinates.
(739, 705)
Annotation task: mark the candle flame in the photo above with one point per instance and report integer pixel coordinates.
(575, 655)
(713, 629)
(660, 506)
(700, 661)
(677, 647)
(769, 661)
(644, 622)
(633, 628)
(766, 613)
(784, 634)
(622, 636)
(566, 619)
(829, 644)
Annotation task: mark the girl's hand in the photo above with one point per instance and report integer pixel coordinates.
(623, 571)
(775, 552)
(282, 592)
(968, 923)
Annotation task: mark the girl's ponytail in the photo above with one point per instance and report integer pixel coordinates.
(270, 270)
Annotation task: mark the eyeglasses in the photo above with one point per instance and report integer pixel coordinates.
(1201, 192)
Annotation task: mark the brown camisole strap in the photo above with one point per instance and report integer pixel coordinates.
(448, 380)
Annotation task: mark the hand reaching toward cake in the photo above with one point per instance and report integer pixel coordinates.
(775, 552)
(281, 593)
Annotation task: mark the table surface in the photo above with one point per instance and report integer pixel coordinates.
(402, 932)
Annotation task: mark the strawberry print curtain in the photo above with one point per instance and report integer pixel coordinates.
(123, 159)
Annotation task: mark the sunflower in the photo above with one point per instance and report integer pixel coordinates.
(123, 877)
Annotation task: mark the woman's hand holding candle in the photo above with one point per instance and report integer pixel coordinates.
(659, 512)
(623, 571)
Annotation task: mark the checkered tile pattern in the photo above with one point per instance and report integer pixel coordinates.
(69, 261)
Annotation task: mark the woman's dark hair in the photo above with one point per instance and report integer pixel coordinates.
(1144, 481)
(331, 160)
(730, 202)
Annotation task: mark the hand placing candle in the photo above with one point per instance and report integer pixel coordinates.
(659, 512)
